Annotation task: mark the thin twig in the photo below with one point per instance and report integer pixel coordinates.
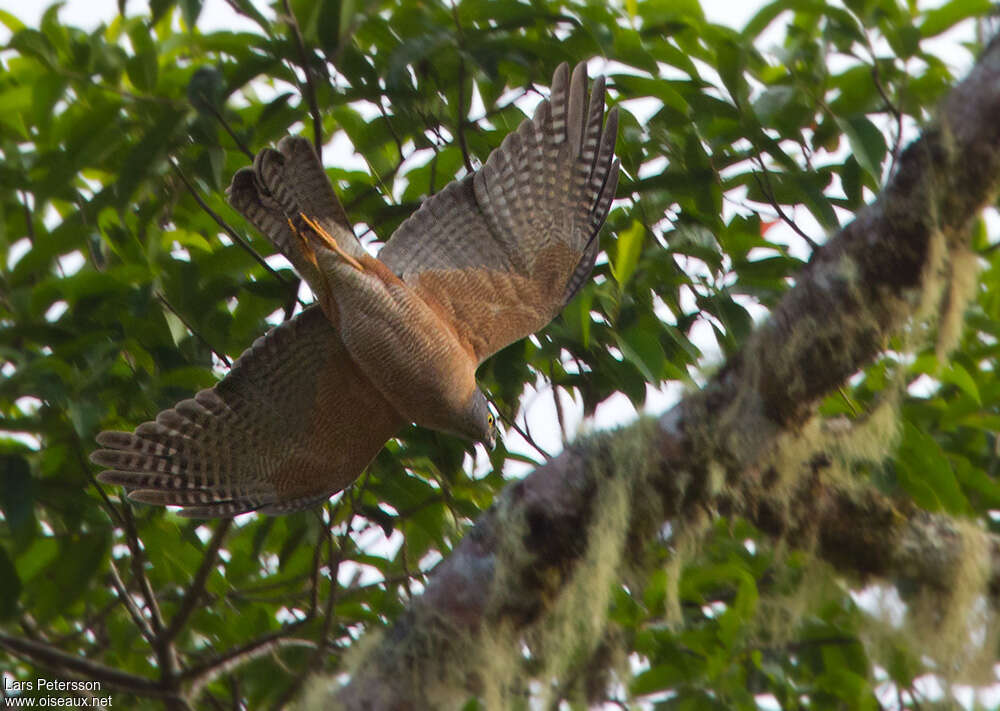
(85, 465)
(344, 39)
(560, 417)
(123, 93)
(29, 224)
(206, 673)
(31, 628)
(126, 599)
(236, 237)
(524, 432)
(334, 559)
(765, 186)
(229, 129)
(373, 189)
(309, 89)
(432, 178)
(165, 652)
(314, 580)
(197, 586)
(896, 113)
(194, 332)
(392, 132)
(460, 114)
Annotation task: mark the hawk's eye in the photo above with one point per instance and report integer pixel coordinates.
(490, 419)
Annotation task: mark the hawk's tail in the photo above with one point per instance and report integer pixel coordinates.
(282, 185)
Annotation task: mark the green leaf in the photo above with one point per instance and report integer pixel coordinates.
(190, 10)
(16, 101)
(142, 70)
(206, 90)
(941, 19)
(10, 586)
(640, 344)
(925, 472)
(16, 491)
(158, 8)
(143, 67)
(628, 247)
(659, 678)
(768, 13)
(33, 43)
(977, 484)
(145, 154)
(667, 11)
(960, 377)
(67, 579)
(576, 315)
(11, 22)
(853, 688)
(867, 143)
(734, 317)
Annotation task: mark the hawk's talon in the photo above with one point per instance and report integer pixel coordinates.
(331, 242)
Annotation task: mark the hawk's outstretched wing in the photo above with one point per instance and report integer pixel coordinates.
(293, 422)
(503, 250)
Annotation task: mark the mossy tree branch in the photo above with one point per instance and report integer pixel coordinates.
(711, 451)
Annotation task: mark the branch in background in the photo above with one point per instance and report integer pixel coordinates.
(206, 673)
(862, 286)
(73, 666)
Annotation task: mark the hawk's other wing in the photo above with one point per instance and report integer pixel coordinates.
(280, 433)
(501, 251)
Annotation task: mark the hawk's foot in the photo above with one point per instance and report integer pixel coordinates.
(331, 242)
(307, 249)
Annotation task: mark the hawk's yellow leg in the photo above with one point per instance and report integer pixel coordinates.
(307, 249)
(331, 242)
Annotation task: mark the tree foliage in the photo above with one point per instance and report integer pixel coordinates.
(127, 283)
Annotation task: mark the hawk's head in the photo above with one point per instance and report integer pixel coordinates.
(480, 423)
